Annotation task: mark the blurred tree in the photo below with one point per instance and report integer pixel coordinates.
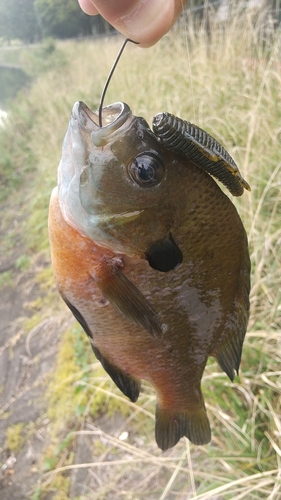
(18, 20)
(62, 18)
(27, 20)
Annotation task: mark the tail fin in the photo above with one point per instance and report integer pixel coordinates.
(171, 426)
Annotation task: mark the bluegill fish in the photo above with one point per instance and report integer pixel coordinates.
(152, 259)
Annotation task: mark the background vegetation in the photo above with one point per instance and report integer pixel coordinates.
(30, 20)
(228, 82)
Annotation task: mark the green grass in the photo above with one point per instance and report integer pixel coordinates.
(231, 87)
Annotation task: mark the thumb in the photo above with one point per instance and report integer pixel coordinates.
(144, 21)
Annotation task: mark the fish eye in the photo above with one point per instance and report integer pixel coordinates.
(146, 169)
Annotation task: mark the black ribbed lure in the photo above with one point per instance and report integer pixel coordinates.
(190, 141)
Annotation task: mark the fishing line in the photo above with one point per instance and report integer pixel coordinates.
(110, 76)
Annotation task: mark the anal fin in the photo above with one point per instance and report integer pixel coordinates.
(130, 386)
(78, 316)
(171, 426)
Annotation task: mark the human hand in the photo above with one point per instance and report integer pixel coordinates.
(144, 21)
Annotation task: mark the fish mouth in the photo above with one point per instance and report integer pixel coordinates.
(113, 117)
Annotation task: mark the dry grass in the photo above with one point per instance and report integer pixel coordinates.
(230, 85)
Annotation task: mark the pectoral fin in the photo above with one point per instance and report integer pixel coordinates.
(128, 385)
(164, 255)
(126, 298)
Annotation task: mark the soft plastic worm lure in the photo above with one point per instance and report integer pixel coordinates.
(190, 141)
(200, 147)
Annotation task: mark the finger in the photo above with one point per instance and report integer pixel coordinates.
(144, 21)
(88, 7)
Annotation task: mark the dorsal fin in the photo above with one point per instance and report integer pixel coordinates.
(229, 355)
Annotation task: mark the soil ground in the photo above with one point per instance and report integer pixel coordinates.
(26, 359)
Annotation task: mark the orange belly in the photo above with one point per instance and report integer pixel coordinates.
(167, 367)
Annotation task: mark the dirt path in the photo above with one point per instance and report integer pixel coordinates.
(26, 359)
(28, 352)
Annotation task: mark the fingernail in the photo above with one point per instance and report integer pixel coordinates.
(148, 20)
